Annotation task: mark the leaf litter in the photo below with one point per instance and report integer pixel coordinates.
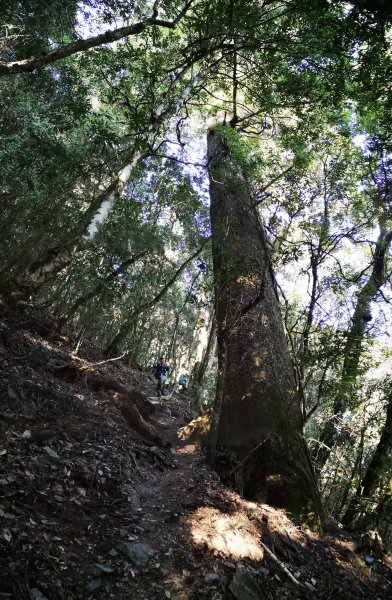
(90, 510)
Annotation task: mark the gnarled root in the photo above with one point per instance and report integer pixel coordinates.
(130, 412)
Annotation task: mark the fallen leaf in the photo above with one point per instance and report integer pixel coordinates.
(6, 535)
(36, 594)
(51, 452)
(104, 568)
(94, 584)
(57, 498)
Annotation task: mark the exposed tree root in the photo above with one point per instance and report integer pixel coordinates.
(134, 406)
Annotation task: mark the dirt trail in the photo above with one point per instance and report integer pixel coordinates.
(89, 510)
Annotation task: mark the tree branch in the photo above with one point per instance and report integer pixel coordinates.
(29, 64)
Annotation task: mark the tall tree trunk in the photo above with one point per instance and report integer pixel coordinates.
(257, 442)
(353, 348)
(384, 511)
(203, 368)
(376, 471)
(197, 347)
(349, 483)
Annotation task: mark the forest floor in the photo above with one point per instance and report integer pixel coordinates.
(90, 510)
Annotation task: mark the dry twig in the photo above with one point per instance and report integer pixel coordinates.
(281, 565)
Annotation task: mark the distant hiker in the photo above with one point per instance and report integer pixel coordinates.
(161, 373)
(183, 383)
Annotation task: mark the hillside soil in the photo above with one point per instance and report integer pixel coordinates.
(89, 509)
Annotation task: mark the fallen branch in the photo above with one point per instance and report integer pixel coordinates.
(280, 564)
(89, 364)
(162, 456)
(133, 457)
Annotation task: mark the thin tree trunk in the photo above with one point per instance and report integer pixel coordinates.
(59, 257)
(97, 290)
(376, 471)
(199, 339)
(383, 518)
(353, 348)
(354, 473)
(204, 367)
(257, 440)
(113, 346)
(172, 345)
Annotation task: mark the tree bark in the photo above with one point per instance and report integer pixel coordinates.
(257, 443)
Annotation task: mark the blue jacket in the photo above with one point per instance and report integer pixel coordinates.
(160, 369)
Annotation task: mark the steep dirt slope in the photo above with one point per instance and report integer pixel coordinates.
(88, 509)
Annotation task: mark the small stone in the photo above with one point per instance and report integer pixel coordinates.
(212, 578)
(138, 553)
(94, 584)
(104, 568)
(57, 498)
(36, 594)
(93, 571)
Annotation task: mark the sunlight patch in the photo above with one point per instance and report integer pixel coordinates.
(231, 535)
